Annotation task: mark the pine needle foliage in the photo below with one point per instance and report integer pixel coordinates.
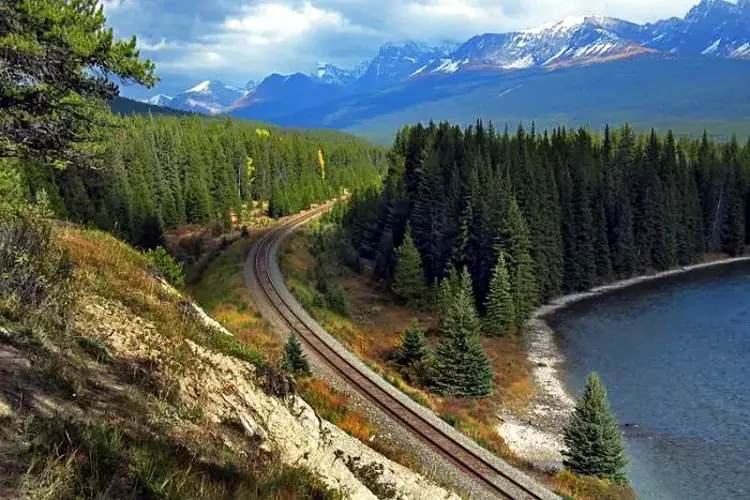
(500, 319)
(295, 360)
(593, 438)
(462, 368)
(408, 281)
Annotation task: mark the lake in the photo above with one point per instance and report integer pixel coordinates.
(675, 357)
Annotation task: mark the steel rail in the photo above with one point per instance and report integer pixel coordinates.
(468, 461)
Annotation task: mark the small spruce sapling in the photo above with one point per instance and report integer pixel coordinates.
(295, 360)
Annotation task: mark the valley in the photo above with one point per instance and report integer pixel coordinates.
(429, 250)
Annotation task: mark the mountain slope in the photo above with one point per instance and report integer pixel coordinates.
(713, 28)
(278, 95)
(125, 106)
(210, 97)
(687, 94)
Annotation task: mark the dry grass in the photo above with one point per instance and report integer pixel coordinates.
(570, 485)
(223, 294)
(334, 407)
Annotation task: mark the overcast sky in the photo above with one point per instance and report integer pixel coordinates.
(239, 40)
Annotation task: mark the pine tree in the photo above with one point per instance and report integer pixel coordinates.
(593, 438)
(462, 368)
(408, 281)
(501, 317)
(412, 348)
(57, 59)
(294, 360)
(514, 241)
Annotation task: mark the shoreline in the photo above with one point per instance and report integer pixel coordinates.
(537, 436)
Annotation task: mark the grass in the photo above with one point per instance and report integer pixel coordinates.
(111, 269)
(224, 296)
(100, 460)
(372, 331)
(333, 406)
(81, 422)
(569, 485)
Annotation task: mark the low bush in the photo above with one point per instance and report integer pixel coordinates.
(36, 274)
(572, 485)
(167, 266)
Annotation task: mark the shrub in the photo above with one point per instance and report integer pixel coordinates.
(371, 476)
(571, 485)
(336, 300)
(167, 266)
(36, 274)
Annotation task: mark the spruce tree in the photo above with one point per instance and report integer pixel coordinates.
(593, 438)
(412, 348)
(514, 241)
(408, 281)
(294, 360)
(462, 368)
(501, 316)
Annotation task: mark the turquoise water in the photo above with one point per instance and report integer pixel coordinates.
(676, 360)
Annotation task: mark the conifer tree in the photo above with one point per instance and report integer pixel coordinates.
(500, 318)
(295, 360)
(408, 281)
(593, 440)
(412, 348)
(514, 241)
(462, 368)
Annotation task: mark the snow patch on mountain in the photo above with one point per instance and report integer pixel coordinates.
(712, 48)
(525, 62)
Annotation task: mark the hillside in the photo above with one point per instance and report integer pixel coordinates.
(115, 387)
(687, 95)
(125, 106)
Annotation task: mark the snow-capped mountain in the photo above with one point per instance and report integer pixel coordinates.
(333, 75)
(396, 62)
(712, 28)
(210, 97)
(569, 41)
(715, 28)
(160, 100)
(278, 94)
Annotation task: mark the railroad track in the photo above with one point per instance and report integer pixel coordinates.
(496, 477)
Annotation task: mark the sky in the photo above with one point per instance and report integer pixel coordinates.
(239, 40)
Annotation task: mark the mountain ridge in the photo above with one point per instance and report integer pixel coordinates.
(710, 29)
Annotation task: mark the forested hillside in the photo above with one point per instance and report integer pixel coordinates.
(567, 210)
(156, 173)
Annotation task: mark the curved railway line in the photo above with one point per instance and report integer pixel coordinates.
(496, 477)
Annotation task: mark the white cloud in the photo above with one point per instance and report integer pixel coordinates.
(240, 39)
(153, 47)
(269, 23)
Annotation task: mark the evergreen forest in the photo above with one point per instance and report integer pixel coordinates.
(535, 215)
(149, 174)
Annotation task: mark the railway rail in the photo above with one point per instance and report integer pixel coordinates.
(496, 477)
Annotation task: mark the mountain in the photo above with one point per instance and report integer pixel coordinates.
(333, 75)
(278, 95)
(686, 94)
(160, 100)
(396, 62)
(125, 106)
(410, 72)
(209, 97)
(571, 40)
(712, 28)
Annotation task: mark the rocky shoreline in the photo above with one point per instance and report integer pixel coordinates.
(537, 435)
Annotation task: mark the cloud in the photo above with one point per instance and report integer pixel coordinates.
(236, 40)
